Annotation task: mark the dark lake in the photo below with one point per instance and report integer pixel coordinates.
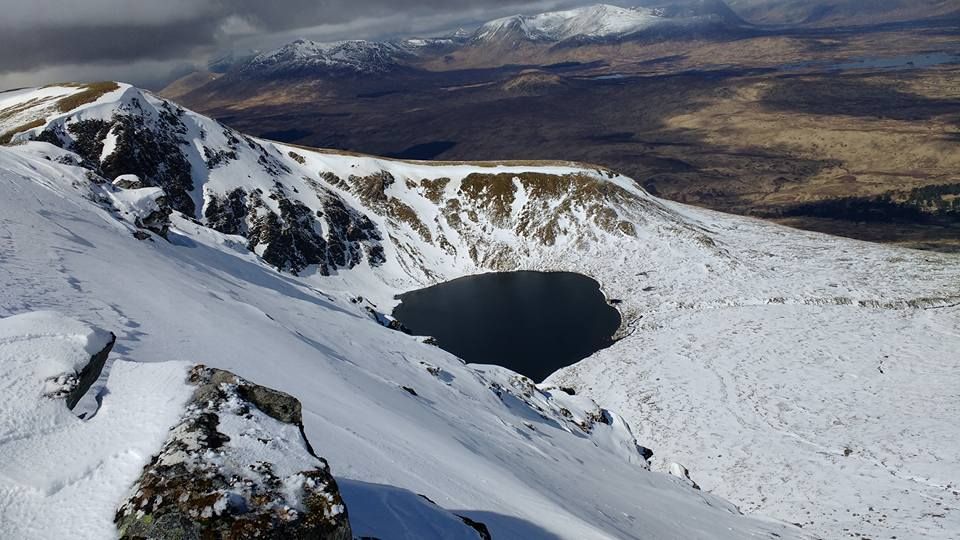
(425, 151)
(912, 61)
(531, 322)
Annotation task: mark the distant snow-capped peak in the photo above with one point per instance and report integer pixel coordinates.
(600, 20)
(603, 21)
(355, 55)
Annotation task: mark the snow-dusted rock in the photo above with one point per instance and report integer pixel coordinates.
(128, 181)
(59, 473)
(681, 472)
(236, 466)
(47, 355)
(145, 208)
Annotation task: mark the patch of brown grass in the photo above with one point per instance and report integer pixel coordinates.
(493, 192)
(90, 93)
(433, 189)
(9, 112)
(6, 137)
(400, 211)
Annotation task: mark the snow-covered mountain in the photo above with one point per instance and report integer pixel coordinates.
(591, 24)
(394, 417)
(346, 57)
(842, 420)
(602, 22)
(357, 56)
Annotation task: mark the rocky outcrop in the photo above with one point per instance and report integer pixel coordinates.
(296, 236)
(128, 181)
(236, 466)
(682, 473)
(72, 387)
(147, 208)
(145, 145)
(227, 214)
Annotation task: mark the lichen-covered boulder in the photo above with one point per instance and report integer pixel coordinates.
(236, 466)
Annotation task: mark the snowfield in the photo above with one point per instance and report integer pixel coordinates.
(63, 476)
(807, 378)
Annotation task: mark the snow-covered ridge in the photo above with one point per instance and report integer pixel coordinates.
(394, 417)
(591, 21)
(356, 56)
(587, 24)
(596, 22)
(351, 56)
(356, 226)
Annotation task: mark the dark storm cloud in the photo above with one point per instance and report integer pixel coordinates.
(40, 35)
(29, 49)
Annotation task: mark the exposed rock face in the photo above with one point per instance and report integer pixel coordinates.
(682, 473)
(482, 531)
(290, 240)
(145, 146)
(147, 209)
(237, 466)
(128, 181)
(77, 385)
(294, 238)
(227, 214)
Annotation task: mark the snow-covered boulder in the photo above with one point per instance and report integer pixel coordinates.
(146, 208)
(237, 465)
(61, 473)
(682, 473)
(46, 355)
(128, 181)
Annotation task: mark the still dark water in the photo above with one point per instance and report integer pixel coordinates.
(425, 151)
(531, 322)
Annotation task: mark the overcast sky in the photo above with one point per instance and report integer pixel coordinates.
(145, 41)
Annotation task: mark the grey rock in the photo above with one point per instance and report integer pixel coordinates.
(201, 486)
(128, 181)
(89, 374)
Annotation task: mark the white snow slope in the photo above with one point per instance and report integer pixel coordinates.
(809, 378)
(527, 462)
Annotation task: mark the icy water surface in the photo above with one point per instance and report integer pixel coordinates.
(531, 322)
